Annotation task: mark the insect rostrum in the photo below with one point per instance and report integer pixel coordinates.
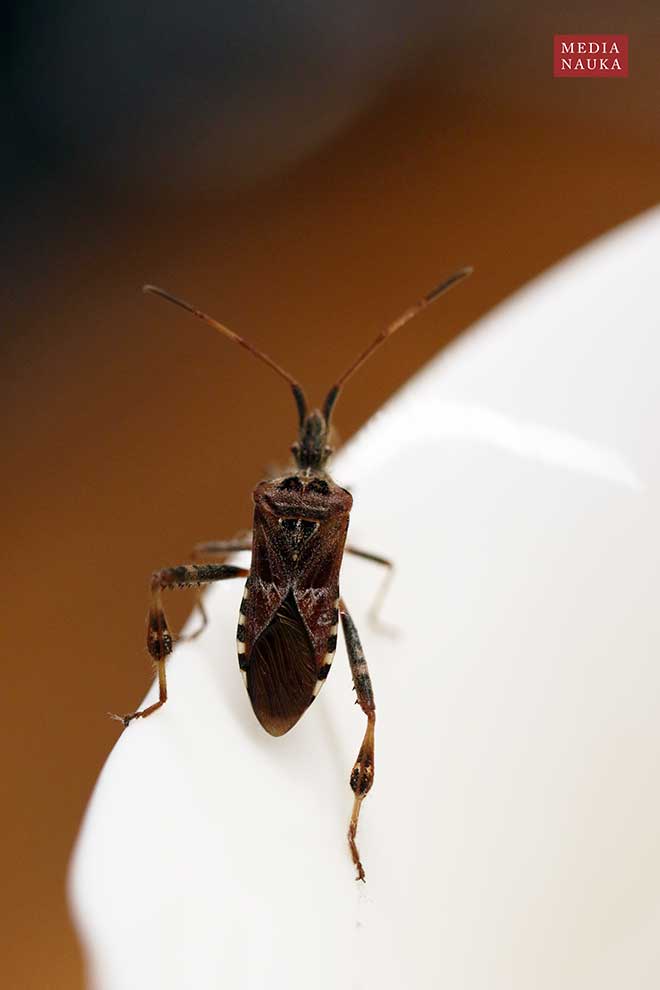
(291, 607)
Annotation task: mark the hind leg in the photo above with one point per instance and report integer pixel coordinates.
(362, 774)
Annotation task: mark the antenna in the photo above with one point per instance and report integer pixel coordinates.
(298, 394)
(439, 290)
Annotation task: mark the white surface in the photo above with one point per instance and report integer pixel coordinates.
(511, 837)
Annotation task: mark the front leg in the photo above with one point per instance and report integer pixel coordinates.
(159, 638)
(362, 774)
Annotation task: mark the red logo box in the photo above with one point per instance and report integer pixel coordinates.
(603, 56)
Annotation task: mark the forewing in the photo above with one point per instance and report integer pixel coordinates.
(316, 593)
(281, 670)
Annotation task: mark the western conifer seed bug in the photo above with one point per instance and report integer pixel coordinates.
(289, 614)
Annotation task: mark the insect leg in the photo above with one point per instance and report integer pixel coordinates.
(374, 610)
(362, 774)
(217, 549)
(159, 638)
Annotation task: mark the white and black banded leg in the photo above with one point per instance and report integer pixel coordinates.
(209, 550)
(159, 638)
(362, 774)
(374, 611)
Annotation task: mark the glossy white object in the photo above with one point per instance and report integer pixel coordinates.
(511, 837)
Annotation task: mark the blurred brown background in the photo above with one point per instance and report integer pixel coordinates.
(303, 173)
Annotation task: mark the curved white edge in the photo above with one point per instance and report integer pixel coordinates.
(510, 840)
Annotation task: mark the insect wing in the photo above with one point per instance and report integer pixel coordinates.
(281, 670)
(287, 633)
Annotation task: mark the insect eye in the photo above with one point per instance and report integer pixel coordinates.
(320, 486)
(292, 484)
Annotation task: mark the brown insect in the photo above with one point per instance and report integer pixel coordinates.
(289, 615)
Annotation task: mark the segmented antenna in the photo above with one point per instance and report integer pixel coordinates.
(298, 394)
(385, 334)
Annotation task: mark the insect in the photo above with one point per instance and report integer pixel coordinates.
(291, 606)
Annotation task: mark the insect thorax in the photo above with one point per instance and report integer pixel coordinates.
(304, 517)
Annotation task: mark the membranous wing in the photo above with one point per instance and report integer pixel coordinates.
(281, 674)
